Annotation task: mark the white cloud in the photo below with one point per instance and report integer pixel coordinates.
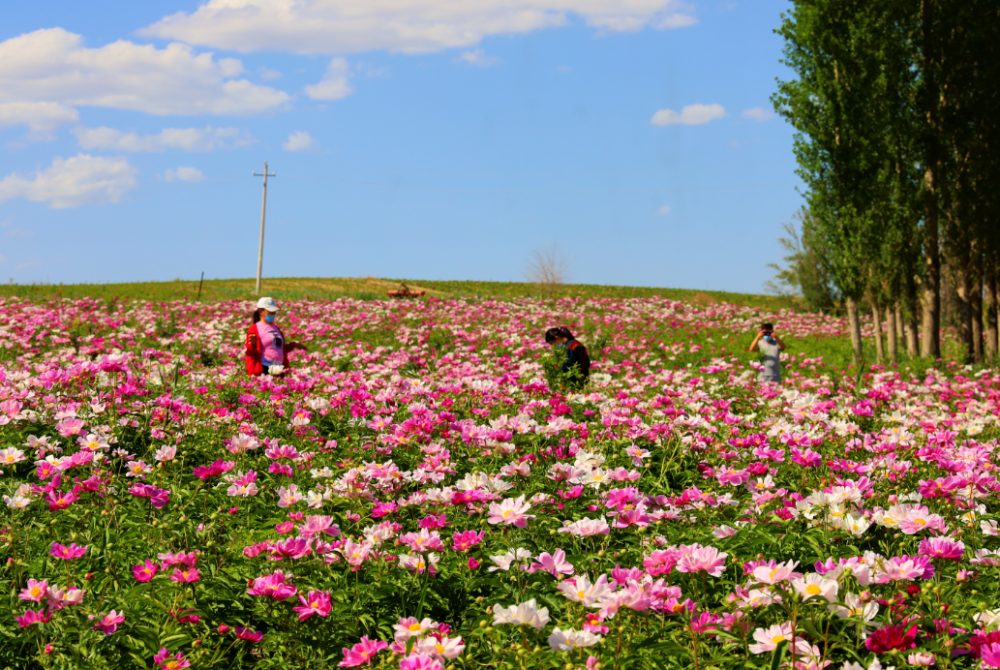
(300, 140)
(185, 139)
(691, 115)
(476, 57)
(184, 174)
(335, 83)
(407, 26)
(71, 182)
(53, 66)
(41, 117)
(563, 68)
(757, 114)
(663, 211)
(268, 74)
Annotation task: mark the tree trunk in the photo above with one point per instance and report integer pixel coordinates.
(990, 307)
(976, 307)
(854, 326)
(912, 341)
(877, 321)
(930, 344)
(930, 288)
(964, 313)
(893, 321)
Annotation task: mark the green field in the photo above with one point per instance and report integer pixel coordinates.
(371, 288)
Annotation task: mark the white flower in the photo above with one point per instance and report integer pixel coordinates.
(815, 584)
(567, 640)
(526, 614)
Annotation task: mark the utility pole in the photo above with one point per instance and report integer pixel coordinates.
(263, 210)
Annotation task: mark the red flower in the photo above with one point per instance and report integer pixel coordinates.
(887, 638)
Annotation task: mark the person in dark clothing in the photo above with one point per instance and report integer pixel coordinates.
(576, 367)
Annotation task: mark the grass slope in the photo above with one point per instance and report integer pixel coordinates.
(370, 288)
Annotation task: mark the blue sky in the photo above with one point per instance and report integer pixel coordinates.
(414, 138)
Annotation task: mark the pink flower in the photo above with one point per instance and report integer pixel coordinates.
(420, 662)
(510, 512)
(904, 568)
(423, 541)
(145, 572)
(285, 527)
(272, 585)
(248, 635)
(167, 662)
(67, 553)
(315, 602)
(942, 547)
(466, 540)
(698, 558)
(36, 591)
(186, 576)
(554, 564)
(189, 559)
(30, 618)
(109, 624)
(990, 655)
(362, 653)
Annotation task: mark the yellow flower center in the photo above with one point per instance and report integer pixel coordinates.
(813, 590)
(414, 627)
(778, 639)
(580, 595)
(920, 522)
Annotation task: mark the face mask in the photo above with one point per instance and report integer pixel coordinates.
(269, 318)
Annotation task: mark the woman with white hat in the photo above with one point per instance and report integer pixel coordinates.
(266, 349)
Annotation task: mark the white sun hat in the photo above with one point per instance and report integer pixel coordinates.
(268, 304)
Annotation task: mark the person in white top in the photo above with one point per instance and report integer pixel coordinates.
(771, 346)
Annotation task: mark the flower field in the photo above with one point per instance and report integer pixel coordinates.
(422, 492)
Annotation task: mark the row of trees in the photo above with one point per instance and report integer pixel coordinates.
(896, 107)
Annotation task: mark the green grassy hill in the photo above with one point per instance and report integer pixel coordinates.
(369, 288)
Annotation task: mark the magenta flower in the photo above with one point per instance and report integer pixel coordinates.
(203, 472)
(272, 585)
(942, 547)
(167, 662)
(466, 540)
(990, 655)
(158, 498)
(362, 653)
(315, 602)
(58, 500)
(36, 591)
(145, 572)
(30, 618)
(67, 553)
(186, 576)
(887, 638)
(247, 634)
(109, 624)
